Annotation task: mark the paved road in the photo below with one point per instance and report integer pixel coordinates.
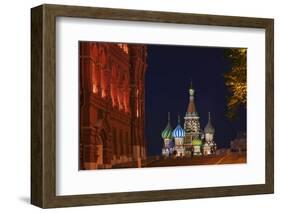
(226, 158)
(229, 158)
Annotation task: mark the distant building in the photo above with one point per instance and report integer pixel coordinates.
(191, 140)
(239, 144)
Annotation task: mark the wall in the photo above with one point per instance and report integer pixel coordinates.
(15, 104)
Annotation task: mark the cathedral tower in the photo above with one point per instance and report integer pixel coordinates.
(191, 119)
(209, 146)
(209, 130)
(167, 136)
(178, 135)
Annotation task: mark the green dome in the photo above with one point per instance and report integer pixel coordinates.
(196, 142)
(167, 132)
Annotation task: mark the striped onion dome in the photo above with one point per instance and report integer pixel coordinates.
(178, 131)
(209, 128)
(167, 132)
(196, 142)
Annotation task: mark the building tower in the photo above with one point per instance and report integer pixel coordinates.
(167, 139)
(178, 135)
(197, 144)
(209, 131)
(191, 123)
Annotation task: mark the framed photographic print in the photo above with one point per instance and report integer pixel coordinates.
(137, 106)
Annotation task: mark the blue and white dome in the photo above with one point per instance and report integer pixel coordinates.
(178, 131)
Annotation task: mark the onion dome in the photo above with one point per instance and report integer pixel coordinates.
(178, 131)
(167, 132)
(209, 128)
(196, 142)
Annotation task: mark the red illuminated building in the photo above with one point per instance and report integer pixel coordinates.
(111, 104)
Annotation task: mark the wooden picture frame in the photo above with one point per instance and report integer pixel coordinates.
(43, 105)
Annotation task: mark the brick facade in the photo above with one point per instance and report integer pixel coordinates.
(111, 107)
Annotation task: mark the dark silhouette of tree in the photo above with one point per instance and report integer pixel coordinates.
(236, 81)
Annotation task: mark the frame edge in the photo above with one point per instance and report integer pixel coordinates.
(42, 71)
(269, 138)
(37, 189)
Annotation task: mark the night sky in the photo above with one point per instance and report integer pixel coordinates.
(169, 72)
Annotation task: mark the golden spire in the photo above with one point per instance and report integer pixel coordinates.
(191, 105)
(191, 90)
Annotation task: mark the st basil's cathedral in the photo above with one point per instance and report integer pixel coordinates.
(190, 140)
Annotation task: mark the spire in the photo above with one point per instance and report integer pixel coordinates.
(209, 127)
(179, 120)
(191, 90)
(191, 109)
(169, 117)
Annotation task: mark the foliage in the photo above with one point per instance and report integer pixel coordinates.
(236, 81)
